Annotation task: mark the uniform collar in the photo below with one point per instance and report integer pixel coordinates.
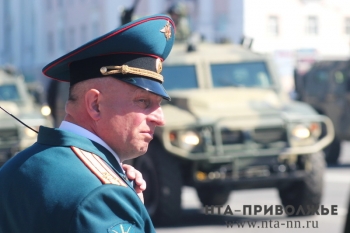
(68, 126)
(63, 138)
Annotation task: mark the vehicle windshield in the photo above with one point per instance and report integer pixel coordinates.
(247, 74)
(179, 77)
(316, 81)
(9, 92)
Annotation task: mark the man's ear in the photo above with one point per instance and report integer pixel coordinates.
(92, 101)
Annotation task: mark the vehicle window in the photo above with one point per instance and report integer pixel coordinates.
(179, 77)
(9, 93)
(317, 82)
(321, 76)
(248, 74)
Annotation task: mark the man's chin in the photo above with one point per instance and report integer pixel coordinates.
(143, 150)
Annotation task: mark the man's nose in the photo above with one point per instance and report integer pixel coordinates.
(157, 117)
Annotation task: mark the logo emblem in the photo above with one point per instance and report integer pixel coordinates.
(167, 30)
(122, 228)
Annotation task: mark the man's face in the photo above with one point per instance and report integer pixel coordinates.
(129, 116)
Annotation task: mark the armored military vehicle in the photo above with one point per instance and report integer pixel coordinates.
(326, 87)
(229, 127)
(16, 100)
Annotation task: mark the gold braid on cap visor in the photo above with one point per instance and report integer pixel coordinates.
(125, 69)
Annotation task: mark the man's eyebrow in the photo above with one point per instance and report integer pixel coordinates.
(140, 91)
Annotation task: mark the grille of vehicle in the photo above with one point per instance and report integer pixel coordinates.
(8, 135)
(260, 135)
(231, 136)
(268, 135)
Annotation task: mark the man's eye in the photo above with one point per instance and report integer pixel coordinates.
(144, 102)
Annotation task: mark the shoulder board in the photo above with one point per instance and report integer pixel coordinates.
(99, 167)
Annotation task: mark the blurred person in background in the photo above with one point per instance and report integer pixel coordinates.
(178, 12)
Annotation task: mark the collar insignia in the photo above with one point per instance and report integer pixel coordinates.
(167, 30)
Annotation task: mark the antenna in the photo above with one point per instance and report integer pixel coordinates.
(19, 120)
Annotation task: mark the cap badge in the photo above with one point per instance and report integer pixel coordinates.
(159, 66)
(166, 30)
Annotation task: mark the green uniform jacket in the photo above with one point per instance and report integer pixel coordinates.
(47, 188)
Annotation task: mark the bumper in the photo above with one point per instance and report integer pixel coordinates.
(250, 173)
(272, 181)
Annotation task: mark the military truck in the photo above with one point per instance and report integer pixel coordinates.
(229, 126)
(16, 100)
(326, 87)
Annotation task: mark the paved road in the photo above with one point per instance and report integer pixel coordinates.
(336, 192)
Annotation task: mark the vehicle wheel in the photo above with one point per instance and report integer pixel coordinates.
(307, 192)
(212, 196)
(162, 173)
(332, 152)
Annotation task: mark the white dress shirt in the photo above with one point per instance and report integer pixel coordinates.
(65, 125)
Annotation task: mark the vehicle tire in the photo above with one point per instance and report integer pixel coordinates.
(332, 151)
(307, 192)
(212, 196)
(162, 173)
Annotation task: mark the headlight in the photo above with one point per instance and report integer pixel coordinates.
(305, 134)
(45, 110)
(185, 139)
(301, 132)
(30, 133)
(190, 138)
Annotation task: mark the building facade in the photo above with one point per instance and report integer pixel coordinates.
(36, 32)
(294, 32)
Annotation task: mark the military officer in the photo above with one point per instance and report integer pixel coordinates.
(71, 179)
